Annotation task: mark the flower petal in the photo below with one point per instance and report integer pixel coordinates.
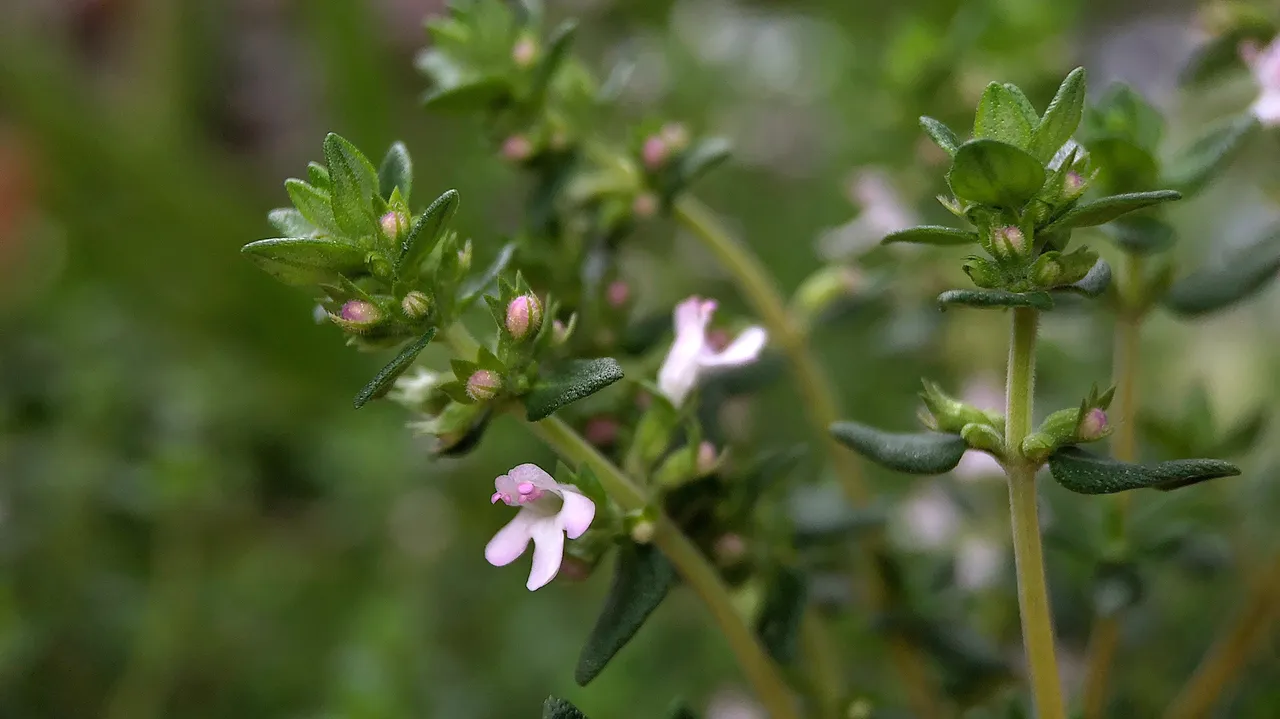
(743, 350)
(535, 475)
(1267, 107)
(511, 541)
(577, 513)
(548, 552)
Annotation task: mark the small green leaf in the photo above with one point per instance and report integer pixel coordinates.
(944, 136)
(1123, 166)
(318, 176)
(701, 159)
(1093, 284)
(1001, 117)
(1022, 103)
(779, 623)
(995, 298)
(355, 182)
(913, 453)
(574, 381)
(381, 383)
(989, 172)
(932, 235)
(1061, 118)
(290, 223)
(1087, 473)
(1191, 169)
(558, 46)
(478, 285)
(302, 261)
(426, 230)
(1211, 289)
(312, 203)
(1141, 235)
(554, 708)
(1105, 209)
(476, 94)
(396, 171)
(641, 580)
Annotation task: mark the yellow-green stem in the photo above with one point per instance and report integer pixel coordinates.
(697, 572)
(1033, 594)
(1230, 653)
(701, 577)
(818, 398)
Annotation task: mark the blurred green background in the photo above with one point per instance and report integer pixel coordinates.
(193, 521)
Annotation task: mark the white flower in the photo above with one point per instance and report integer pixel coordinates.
(548, 512)
(883, 213)
(692, 353)
(979, 562)
(414, 389)
(1265, 65)
(930, 519)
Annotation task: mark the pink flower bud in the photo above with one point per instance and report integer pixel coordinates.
(1072, 185)
(483, 385)
(524, 52)
(675, 135)
(708, 459)
(1010, 241)
(359, 312)
(642, 532)
(416, 304)
(1093, 426)
(601, 431)
(559, 332)
(645, 206)
(654, 152)
(394, 224)
(524, 316)
(517, 148)
(618, 293)
(729, 549)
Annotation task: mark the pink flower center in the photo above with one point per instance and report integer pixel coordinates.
(528, 492)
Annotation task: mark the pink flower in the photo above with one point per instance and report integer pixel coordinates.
(549, 511)
(692, 354)
(1265, 65)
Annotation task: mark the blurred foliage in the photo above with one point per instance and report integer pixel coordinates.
(193, 522)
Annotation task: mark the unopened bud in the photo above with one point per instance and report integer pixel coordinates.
(730, 549)
(708, 459)
(1072, 185)
(645, 206)
(560, 332)
(464, 258)
(394, 224)
(524, 316)
(983, 273)
(524, 52)
(642, 531)
(358, 316)
(483, 385)
(618, 293)
(654, 153)
(675, 135)
(1093, 426)
(416, 305)
(1048, 270)
(601, 431)
(1009, 242)
(517, 148)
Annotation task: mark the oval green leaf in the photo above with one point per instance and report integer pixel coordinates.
(944, 136)
(302, 261)
(932, 235)
(555, 708)
(1215, 288)
(913, 453)
(1141, 235)
(574, 381)
(1093, 284)
(1105, 209)
(1192, 168)
(999, 299)
(989, 172)
(779, 623)
(1001, 116)
(426, 230)
(386, 377)
(641, 579)
(354, 184)
(1087, 473)
(396, 171)
(1061, 118)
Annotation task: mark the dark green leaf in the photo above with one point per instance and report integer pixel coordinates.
(995, 298)
(426, 230)
(312, 203)
(396, 171)
(554, 708)
(302, 261)
(779, 623)
(994, 173)
(701, 159)
(932, 235)
(355, 182)
(386, 377)
(1105, 209)
(1191, 169)
(572, 382)
(944, 136)
(1061, 118)
(1214, 288)
(839, 526)
(1093, 284)
(913, 453)
(1001, 117)
(478, 285)
(1087, 473)
(641, 580)
(1141, 235)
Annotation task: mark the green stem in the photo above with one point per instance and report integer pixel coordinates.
(817, 396)
(701, 577)
(1104, 638)
(697, 572)
(1033, 594)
